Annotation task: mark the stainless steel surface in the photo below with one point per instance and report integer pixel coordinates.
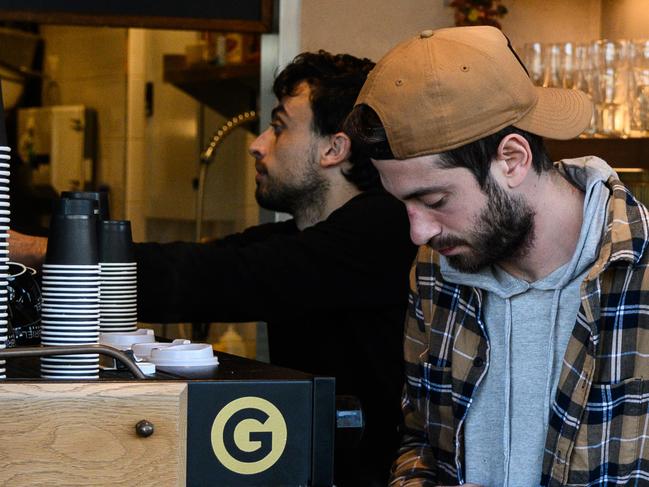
(207, 156)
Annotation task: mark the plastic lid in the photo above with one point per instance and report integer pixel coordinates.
(190, 355)
(143, 350)
(68, 206)
(125, 340)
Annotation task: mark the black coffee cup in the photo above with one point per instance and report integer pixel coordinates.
(115, 241)
(72, 240)
(100, 199)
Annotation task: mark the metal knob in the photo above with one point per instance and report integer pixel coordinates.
(144, 428)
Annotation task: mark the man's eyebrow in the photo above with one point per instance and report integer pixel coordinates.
(417, 193)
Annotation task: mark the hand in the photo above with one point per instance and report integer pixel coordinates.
(27, 249)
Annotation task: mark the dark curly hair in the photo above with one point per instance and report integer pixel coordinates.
(335, 81)
(369, 139)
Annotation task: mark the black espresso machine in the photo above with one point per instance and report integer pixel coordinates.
(245, 423)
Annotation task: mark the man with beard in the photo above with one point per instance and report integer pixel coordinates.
(526, 343)
(332, 283)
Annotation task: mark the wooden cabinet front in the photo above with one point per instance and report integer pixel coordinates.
(80, 434)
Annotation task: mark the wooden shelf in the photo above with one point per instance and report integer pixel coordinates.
(229, 89)
(617, 152)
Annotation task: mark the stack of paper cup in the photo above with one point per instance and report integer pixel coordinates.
(5, 159)
(70, 313)
(118, 275)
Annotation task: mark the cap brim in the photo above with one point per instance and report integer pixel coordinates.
(559, 113)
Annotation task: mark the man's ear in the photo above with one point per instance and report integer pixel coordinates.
(336, 149)
(513, 160)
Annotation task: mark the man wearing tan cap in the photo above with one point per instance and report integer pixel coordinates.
(527, 336)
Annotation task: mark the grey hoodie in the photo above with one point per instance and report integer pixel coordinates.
(528, 327)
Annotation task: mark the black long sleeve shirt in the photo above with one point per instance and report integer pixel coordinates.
(334, 297)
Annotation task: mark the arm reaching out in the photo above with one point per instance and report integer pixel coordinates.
(27, 249)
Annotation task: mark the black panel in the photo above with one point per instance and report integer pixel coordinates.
(206, 400)
(202, 9)
(324, 420)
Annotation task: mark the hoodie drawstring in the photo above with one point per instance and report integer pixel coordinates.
(508, 388)
(554, 312)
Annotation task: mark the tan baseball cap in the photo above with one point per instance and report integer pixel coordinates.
(448, 87)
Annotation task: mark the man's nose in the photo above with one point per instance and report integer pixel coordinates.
(423, 226)
(259, 146)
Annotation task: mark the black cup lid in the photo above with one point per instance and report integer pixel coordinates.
(99, 197)
(69, 206)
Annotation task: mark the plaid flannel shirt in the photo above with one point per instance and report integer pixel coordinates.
(599, 420)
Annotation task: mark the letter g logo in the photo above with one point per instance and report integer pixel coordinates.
(249, 435)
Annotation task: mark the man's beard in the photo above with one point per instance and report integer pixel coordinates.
(503, 230)
(305, 195)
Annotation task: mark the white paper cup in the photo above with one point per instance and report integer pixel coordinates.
(70, 270)
(65, 368)
(71, 377)
(111, 320)
(117, 272)
(74, 308)
(123, 329)
(132, 306)
(117, 297)
(71, 287)
(76, 330)
(118, 311)
(80, 356)
(67, 310)
(79, 301)
(69, 266)
(67, 328)
(50, 361)
(76, 338)
(118, 280)
(68, 341)
(67, 318)
(71, 295)
(71, 323)
(64, 278)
